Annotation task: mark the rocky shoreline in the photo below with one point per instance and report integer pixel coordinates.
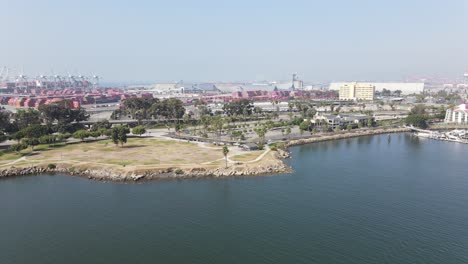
(148, 174)
(347, 135)
(116, 175)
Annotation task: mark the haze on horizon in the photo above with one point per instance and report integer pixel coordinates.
(236, 40)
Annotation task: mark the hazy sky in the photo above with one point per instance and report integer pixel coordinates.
(237, 39)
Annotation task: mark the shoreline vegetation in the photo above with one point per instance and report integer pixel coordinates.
(252, 163)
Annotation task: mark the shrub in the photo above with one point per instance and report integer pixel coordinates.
(95, 134)
(81, 134)
(139, 130)
(179, 171)
(17, 147)
(51, 166)
(63, 137)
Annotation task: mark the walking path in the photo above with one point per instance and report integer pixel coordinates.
(13, 162)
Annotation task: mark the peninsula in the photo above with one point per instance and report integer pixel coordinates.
(151, 158)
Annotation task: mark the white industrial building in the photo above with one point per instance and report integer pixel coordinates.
(405, 88)
(457, 114)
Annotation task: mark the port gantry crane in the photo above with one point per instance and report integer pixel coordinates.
(21, 83)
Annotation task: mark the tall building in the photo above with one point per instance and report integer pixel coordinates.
(457, 114)
(357, 91)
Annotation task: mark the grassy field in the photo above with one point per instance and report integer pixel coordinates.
(141, 152)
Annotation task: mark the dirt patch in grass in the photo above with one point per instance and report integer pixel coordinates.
(249, 156)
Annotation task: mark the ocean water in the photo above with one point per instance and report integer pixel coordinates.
(360, 200)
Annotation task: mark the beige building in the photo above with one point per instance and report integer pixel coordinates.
(405, 88)
(357, 91)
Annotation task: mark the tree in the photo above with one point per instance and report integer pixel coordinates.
(338, 109)
(257, 110)
(441, 112)
(261, 132)
(173, 108)
(417, 120)
(116, 114)
(326, 126)
(225, 152)
(205, 122)
(420, 98)
(119, 135)
(349, 127)
(239, 135)
(198, 102)
(419, 109)
(61, 113)
(288, 131)
(144, 108)
(31, 142)
(369, 122)
(4, 120)
(203, 110)
(290, 106)
(104, 124)
(178, 127)
(115, 135)
(24, 118)
(186, 118)
(217, 122)
(304, 126)
(386, 92)
(139, 130)
(138, 107)
(123, 135)
(34, 131)
(304, 109)
(237, 108)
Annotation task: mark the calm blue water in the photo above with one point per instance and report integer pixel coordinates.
(361, 200)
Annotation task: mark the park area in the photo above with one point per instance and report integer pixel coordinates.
(138, 153)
